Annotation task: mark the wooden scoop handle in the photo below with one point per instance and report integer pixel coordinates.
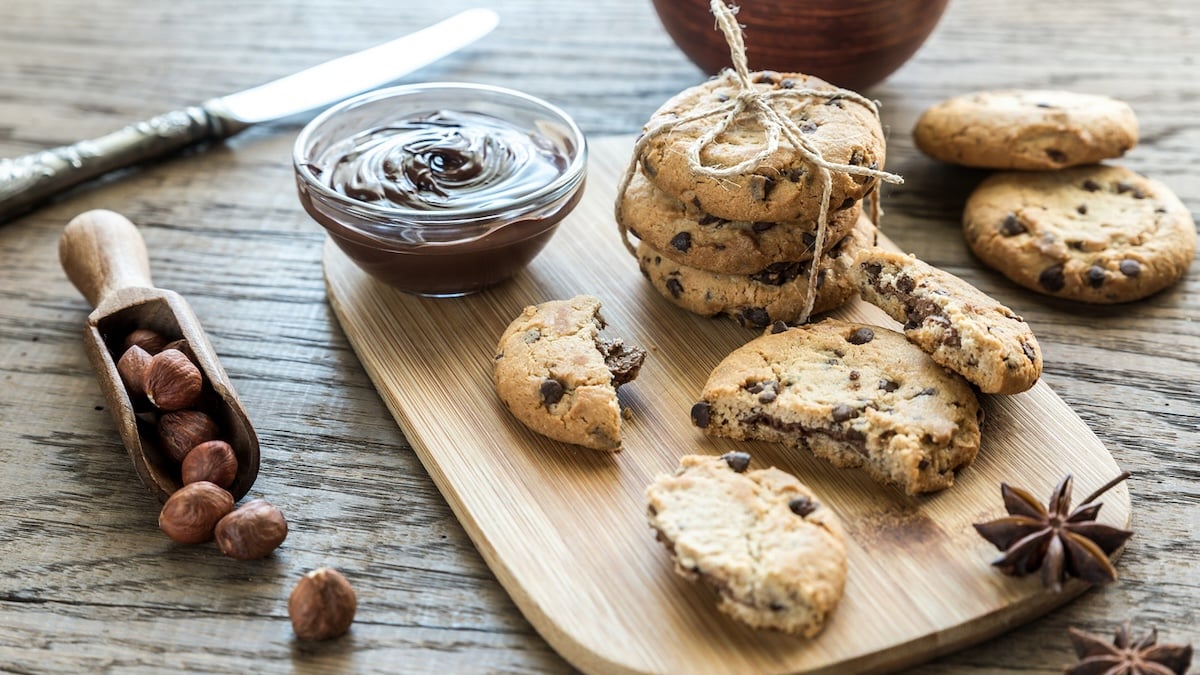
(102, 252)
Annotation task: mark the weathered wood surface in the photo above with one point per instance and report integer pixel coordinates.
(87, 583)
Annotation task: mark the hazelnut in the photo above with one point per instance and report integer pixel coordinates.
(213, 461)
(172, 381)
(180, 345)
(132, 367)
(252, 531)
(192, 512)
(321, 605)
(181, 430)
(147, 339)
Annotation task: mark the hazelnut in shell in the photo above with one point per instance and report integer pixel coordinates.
(213, 461)
(172, 381)
(322, 605)
(147, 339)
(132, 367)
(181, 430)
(193, 511)
(252, 531)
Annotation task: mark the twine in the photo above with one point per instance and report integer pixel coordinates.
(775, 126)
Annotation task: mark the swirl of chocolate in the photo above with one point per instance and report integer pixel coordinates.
(445, 160)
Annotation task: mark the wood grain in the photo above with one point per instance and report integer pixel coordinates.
(87, 583)
(564, 528)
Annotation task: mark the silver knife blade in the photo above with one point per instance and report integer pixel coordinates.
(343, 77)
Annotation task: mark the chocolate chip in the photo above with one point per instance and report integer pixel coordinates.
(761, 226)
(854, 375)
(707, 219)
(802, 506)
(696, 203)
(808, 127)
(766, 77)
(857, 157)
(922, 465)
(1138, 193)
(787, 83)
(755, 317)
(1029, 351)
(778, 327)
(861, 336)
(682, 242)
(532, 335)
(1130, 268)
(768, 395)
(738, 461)
(674, 288)
(847, 203)
(795, 174)
(551, 391)
(1081, 209)
(1123, 187)
(701, 414)
(722, 96)
(777, 606)
(1056, 156)
(1052, 278)
(809, 239)
(927, 391)
(1091, 185)
(905, 283)
(778, 274)
(1012, 226)
(834, 100)
(753, 387)
(1096, 276)
(1043, 104)
(760, 186)
(842, 412)
(889, 385)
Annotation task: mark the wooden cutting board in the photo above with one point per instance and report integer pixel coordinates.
(564, 529)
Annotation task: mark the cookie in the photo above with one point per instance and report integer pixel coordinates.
(784, 186)
(703, 241)
(856, 395)
(559, 376)
(774, 553)
(961, 327)
(1099, 234)
(776, 293)
(1026, 129)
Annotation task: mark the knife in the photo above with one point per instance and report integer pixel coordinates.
(26, 182)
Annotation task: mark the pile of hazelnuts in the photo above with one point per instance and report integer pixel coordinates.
(203, 509)
(322, 605)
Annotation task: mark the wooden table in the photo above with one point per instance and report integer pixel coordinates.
(88, 583)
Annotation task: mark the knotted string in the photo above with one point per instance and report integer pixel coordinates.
(775, 126)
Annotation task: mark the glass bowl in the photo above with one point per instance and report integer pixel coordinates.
(407, 216)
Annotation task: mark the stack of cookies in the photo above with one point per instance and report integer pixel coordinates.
(742, 245)
(1054, 220)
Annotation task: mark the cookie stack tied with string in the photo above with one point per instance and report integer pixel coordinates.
(738, 184)
(1053, 219)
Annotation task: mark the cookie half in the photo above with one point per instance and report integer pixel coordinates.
(775, 554)
(1100, 234)
(559, 376)
(856, 395)
(1026, 129)
(701, 240)
(783, 187)
(961, 327)
(776, 293)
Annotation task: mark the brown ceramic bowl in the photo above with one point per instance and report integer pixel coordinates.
(850, 43)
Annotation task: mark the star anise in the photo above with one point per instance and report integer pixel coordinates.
(1059, 542)
(1125, 657)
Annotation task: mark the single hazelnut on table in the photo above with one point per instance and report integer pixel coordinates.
(172, 381)
(132, 367)
(322, 605)
(181, 430)
(192, 512)
(213, 461)
(147, 339)
(251, 531)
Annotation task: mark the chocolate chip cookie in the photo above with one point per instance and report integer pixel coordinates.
(856, 395)
(1026, 129)
(701, 240)
(776, 293)
(1100, 234)
(775, 554)
(961, 327)
(784, 186)
(559, 376)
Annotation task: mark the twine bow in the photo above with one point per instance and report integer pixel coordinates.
(775, 125)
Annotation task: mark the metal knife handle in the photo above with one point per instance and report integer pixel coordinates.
(26, 182)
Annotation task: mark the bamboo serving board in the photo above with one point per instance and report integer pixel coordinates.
(564, 528)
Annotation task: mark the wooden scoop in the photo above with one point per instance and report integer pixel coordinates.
(104, 256)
